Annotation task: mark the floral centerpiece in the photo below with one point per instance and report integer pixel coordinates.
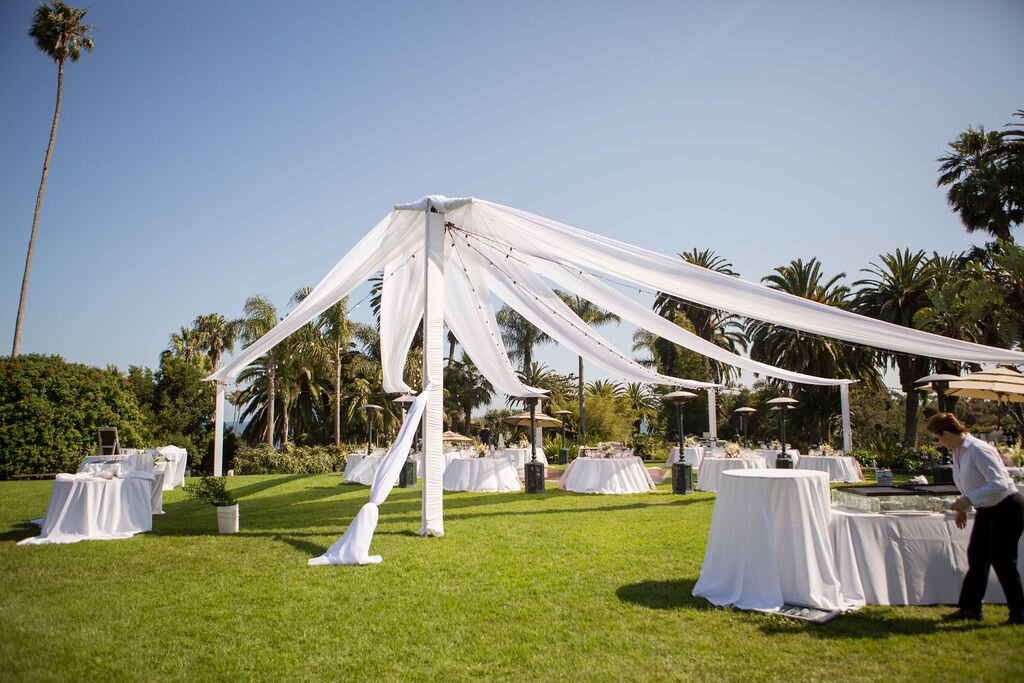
(826, 449)
(732, 449)
(690, 441)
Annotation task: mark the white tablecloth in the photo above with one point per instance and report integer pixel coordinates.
(904, 558)
(710, 472)
(520, 456)
(85, 508)
(838, 468)
(694, 456)
(606, 475)
(770, 456)
(174, 466)
(491, 475)
(141, 461)
(361, 468)
(769, 543)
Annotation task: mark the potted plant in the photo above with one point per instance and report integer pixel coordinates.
(213, 490)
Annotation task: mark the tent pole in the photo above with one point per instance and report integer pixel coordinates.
(433, 374)
(218, 433)
(713, 414)
(844, 402)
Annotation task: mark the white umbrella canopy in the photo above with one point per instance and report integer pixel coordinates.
(1003, 385)
(523, 420)
(454, 436)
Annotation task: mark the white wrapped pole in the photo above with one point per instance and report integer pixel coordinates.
(218, 432)
(844, 402)
(433, 374)
(713, 414)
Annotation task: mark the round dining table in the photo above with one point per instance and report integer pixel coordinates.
(486, 475)
(693, 455)
(838, 467)
(710, 472)
(606, 475)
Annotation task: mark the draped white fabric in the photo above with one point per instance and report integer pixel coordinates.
(354, 546)
(396, 234)
(534, 235)
(401, 309)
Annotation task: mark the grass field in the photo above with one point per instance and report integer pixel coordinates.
(552, 587)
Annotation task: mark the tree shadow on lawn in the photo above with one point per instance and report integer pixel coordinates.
(664, 595)
(259, 486)
(19, 531)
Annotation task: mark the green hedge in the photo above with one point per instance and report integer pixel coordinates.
(50, 410)
(291, 459)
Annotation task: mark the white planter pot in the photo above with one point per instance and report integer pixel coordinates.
(227, 519)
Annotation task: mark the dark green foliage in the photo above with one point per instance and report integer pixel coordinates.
(179, 404)
(291, 459)
(50, 411)
(646, 447)
(211, 490)
(887, 452)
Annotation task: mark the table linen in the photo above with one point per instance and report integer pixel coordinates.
(606, 475)
(770, 455)
(769, 543)
(694, 456)
(83, 507)
(489, 475)
(520, 456)
(710, 472)
(838, 467)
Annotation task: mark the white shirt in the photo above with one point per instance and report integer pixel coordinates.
(980, 474)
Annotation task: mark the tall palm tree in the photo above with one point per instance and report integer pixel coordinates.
(215, 335)
(807, 353)
(896, 291)
(333, 341)
(980, 189)
(595, 317)
(520, 336)
(719, 327)
(184, 344)
(641, 402)
(60, 33)
(466, 389)
(259, 317)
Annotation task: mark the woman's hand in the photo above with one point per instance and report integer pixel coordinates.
(961, 519)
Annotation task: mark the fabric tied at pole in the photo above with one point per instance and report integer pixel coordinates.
(354, 546)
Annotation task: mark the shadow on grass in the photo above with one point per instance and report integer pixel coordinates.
(663, 595)
(251, 489)
(871, 624)
(19, 531)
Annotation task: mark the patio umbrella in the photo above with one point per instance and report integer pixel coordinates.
(1001, 384)
(454, 436)
(523, 419)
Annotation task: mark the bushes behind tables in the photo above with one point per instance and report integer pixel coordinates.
(889, 453)
(50, 410)
(291, 459)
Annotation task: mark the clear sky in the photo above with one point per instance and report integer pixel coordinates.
(208, 151)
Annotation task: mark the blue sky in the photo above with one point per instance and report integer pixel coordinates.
(208, 151)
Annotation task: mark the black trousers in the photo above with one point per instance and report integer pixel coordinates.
(994, 544)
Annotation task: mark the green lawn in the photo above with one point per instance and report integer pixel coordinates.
(552, 587)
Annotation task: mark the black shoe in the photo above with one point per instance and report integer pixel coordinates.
(962, 615)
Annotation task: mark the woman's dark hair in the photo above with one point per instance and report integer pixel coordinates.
(945, 422)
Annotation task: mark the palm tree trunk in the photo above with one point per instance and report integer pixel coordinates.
(337, 395)
(468, 414)
(39, 206)
(579, 389)
(907, 374)
(285, 408)
(271, 398)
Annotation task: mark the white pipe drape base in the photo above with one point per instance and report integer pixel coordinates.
(354, 546)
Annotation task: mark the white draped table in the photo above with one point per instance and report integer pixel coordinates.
(769, 543)
(606, 475)
(175, 459)
(361, 468)
(520, 456)
(771, 456)
(488, 475)
(694, 456)
(904, 558)
(83, 507)
(838, 467)
(710, 472)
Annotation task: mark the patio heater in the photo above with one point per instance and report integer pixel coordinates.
(744, 414)
(533, 470)
(682, 473)
(782, 404)
(407, 476)
(371, 412)
(563, 452)
(942, 473)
